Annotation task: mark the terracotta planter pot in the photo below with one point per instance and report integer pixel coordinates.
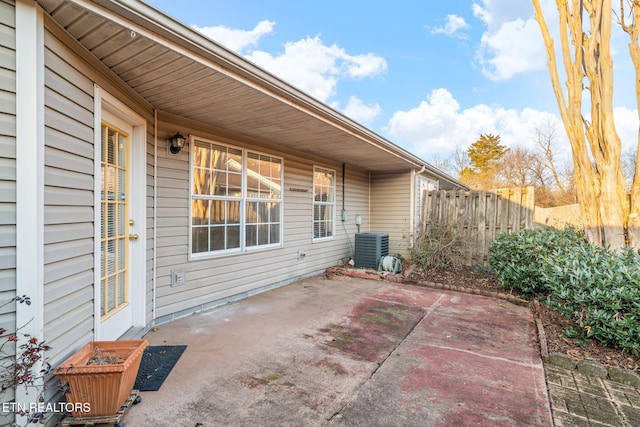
(100, 390)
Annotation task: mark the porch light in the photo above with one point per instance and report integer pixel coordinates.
(177, 142)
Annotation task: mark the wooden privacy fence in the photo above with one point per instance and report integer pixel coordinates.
(478, 217)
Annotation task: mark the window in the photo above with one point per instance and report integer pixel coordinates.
(236, 199)
(324, 201)
(264, 200)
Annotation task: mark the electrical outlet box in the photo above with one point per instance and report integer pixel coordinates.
(178, 277)
(345, 215)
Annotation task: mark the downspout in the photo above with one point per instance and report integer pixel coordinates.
(155, 213)
(414, 205)
(369, 204)
(343, 203)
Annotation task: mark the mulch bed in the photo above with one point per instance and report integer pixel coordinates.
(554, 323)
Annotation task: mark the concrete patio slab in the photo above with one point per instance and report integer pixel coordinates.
(354, 352)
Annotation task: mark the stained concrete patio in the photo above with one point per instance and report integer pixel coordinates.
(352, 352)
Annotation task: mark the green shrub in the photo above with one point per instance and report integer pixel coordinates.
(598, 288)
(519, 259)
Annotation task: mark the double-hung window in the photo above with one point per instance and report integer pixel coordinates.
(236, 199)
(324, 202)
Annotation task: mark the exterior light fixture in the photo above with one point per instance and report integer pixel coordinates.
(176, 143)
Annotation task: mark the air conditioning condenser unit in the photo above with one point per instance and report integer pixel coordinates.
(370, 247)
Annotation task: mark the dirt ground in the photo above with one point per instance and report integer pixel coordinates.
(554, 323)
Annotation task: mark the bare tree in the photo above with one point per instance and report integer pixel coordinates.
(454, 163)
(545, 136)
(561, 184)
(629, 159)
(521, 167)
(585, 36)
(460, 159)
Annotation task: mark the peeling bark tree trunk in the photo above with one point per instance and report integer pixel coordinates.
(595, 144)
(634, 50)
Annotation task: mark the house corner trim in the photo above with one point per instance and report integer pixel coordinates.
(29, 172)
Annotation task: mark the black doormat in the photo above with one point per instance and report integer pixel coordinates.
(157, 363)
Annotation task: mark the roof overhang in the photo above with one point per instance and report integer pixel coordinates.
(177, 70)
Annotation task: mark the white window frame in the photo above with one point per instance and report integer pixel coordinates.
(243, 199)
(331, 205)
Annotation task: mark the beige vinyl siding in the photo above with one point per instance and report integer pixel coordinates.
(7, 174)
(70, 74)
(7, 163)
(215, 278)
(391, 204)
(68, 199)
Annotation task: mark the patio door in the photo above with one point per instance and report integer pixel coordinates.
(118, 242)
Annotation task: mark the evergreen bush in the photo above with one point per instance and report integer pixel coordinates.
(520, 259)
(598, 288)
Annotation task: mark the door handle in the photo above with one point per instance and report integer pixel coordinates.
(133, 237)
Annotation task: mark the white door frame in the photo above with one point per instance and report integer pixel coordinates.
(103, 101)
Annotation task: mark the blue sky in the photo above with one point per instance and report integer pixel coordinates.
(428, 75)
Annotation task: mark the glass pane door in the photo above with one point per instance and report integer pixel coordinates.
(114, 282)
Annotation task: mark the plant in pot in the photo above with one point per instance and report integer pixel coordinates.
(99, 377)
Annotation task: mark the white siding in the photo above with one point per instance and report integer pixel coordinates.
(208, 280)
(68, 211)
(7, 162)
(7, 172)
(69, 191)
(391, 203)
(69, 198)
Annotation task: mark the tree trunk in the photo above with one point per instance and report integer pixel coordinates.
(633, 224)
(595, 144)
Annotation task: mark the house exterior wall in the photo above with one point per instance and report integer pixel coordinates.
(391, 203)
(70, 79)
(382, 200)
(7, 161)
(68, 210)
(215, 278)
(69, 198)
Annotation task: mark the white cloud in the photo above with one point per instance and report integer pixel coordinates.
(626, 121)
(438, 125)
(362, 66)
(512, 43)
(308, 63)
(494, 13)
(515, 48)
(315, 68)
(237, 40)
(357, 110)
(453, 27)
